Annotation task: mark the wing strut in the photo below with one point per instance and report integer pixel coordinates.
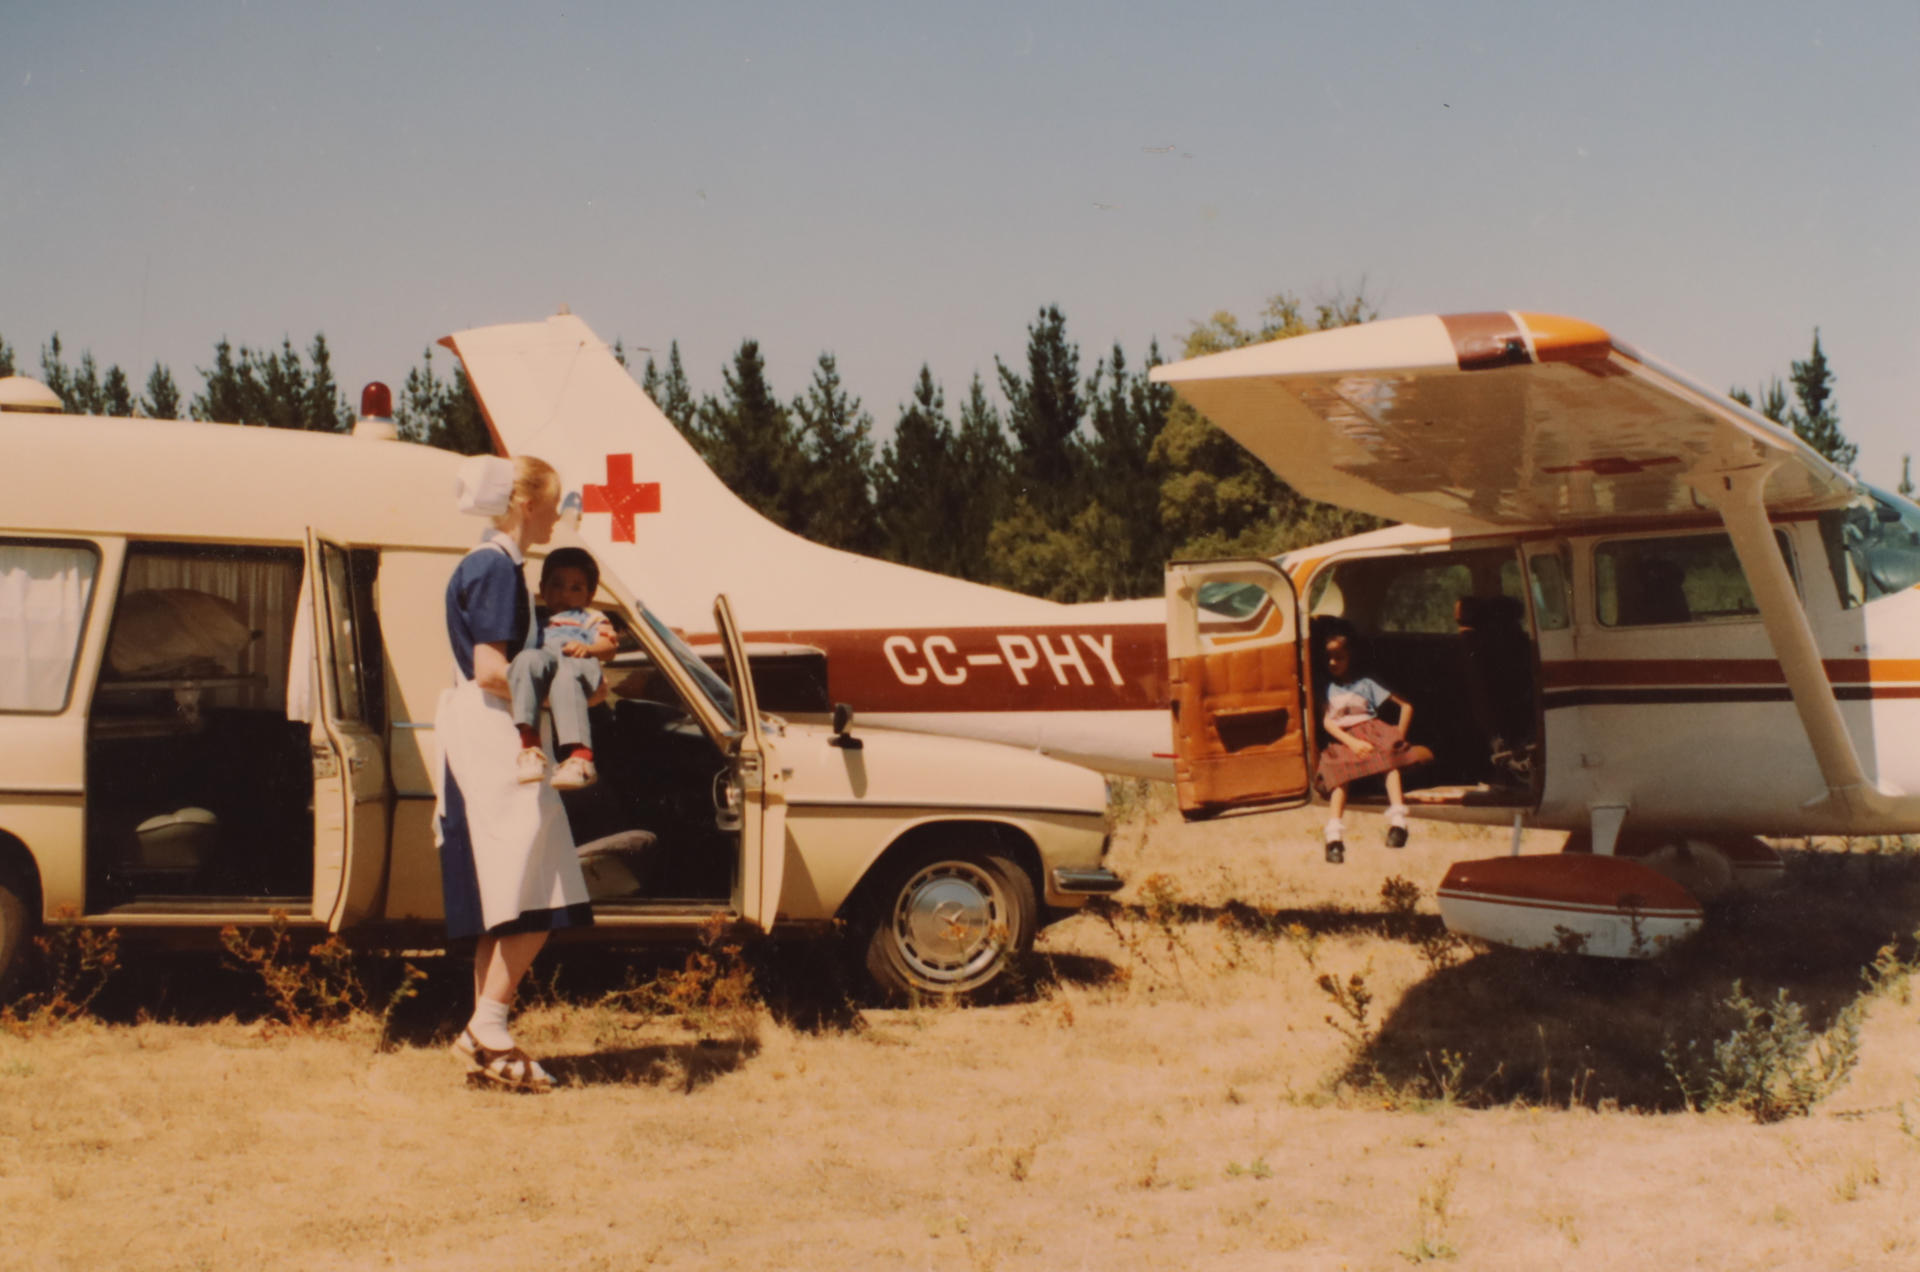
(1737, 494)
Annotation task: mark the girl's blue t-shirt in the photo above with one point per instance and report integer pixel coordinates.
(1359, 697)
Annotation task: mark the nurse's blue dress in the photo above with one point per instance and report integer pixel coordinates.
(507, 860)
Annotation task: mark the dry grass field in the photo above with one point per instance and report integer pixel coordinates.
(1176, 1086)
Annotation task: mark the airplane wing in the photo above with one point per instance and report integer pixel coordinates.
(1473, 422)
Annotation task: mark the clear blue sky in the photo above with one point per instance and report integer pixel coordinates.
(898, 183)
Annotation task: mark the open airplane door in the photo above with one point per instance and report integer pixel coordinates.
(351, 810)
(763, 808)
(1234, 663)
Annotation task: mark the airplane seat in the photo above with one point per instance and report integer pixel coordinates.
(1496, 672)
(1653, 593)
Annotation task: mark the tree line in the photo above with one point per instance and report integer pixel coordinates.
(1060, 481)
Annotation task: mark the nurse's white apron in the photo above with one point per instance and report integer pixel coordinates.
(511, 836)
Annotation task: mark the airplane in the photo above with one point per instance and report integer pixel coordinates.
(1626, 606)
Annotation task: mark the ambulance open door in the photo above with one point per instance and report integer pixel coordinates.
(1235, 663)
(351, 806)
(763, 807)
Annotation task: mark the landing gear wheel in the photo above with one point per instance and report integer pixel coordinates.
(948, 921)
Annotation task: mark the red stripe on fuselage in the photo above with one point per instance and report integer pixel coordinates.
(1116, 667)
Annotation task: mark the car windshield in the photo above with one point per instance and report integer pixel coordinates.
(710, 684)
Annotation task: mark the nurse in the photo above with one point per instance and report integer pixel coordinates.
(507, 863)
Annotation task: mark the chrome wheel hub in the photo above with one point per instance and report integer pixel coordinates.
(950, 921)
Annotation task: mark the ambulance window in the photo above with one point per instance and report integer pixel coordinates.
(1670, 580)
(44, 590)
(1873, 547)
(355, 672)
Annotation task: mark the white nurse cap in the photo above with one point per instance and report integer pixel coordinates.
(484, 485)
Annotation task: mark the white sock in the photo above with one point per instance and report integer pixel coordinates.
(489, 1024)
(1336, 830)
(1397, 815)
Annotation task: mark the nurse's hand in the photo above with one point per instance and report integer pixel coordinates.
(490, 669)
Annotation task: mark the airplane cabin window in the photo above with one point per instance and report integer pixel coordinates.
(1873, 547)
(1550, 591)
(1670, 580)
(44, 590)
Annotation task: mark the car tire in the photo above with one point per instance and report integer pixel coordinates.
(948, 921)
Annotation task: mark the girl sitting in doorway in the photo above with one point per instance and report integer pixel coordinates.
(1362, 745)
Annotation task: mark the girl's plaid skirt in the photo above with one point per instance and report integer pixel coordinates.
(1340, 764)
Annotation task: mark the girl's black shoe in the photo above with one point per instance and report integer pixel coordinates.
(1396, 836)
(1336, 852)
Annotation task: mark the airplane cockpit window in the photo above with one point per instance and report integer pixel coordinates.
(1873, 547)
(1229, 599)
(1669, 580)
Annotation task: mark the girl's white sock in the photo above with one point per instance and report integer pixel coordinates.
(1397, 815)
(489, 1024)
(1336, 830)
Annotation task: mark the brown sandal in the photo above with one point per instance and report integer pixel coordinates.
(511, 1069)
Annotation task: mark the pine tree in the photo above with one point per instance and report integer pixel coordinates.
(836, 435)
(116, 395)
(916, 488)
(1128, 413)
(162, 398)
(275, 389)
(442, 413)
(1044, 413)
(747, 437)
(324, 406)
(1816, 419)
(54, 374)
(222, 397)
(1905, 489)
(983, 467)
(671, 393)
(6, 358)
(1772, 403)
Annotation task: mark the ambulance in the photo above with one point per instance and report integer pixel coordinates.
(220, 652)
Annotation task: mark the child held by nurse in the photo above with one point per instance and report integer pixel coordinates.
(1362, 744)
(563, 671)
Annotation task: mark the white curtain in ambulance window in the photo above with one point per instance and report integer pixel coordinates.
(43, 603)
(260, 586)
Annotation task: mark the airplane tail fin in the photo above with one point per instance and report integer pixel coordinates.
(649, 507)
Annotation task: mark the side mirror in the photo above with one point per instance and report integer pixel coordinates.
(842, 719)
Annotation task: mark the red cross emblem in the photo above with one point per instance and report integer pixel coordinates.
(621, 497)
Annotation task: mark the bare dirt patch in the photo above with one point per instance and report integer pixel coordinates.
(1174, 1087)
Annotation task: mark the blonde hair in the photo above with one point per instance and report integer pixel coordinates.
(532, 478)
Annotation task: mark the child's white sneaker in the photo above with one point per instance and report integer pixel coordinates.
(574, 773)
(530, 765)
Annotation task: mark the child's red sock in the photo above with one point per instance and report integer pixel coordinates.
(529, 736)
